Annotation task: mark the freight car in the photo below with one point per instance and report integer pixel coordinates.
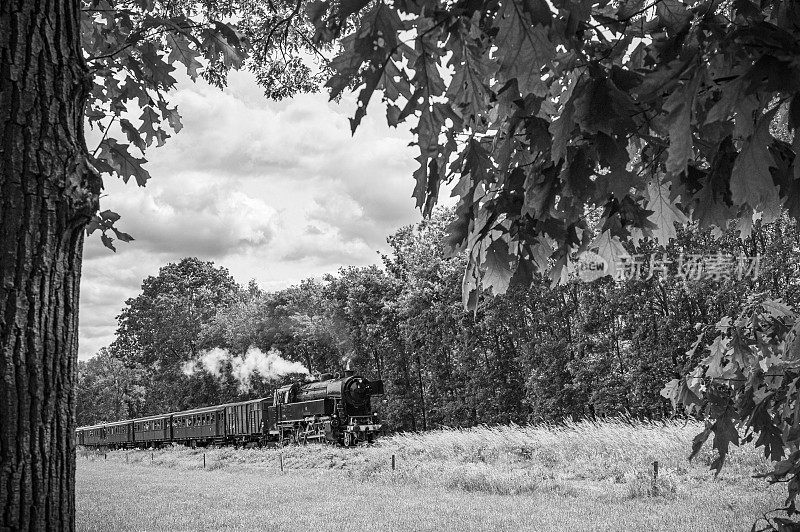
(333, 409)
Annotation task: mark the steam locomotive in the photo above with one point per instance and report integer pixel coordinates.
(335, 409)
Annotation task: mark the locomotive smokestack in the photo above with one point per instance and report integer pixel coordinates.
(348, 372)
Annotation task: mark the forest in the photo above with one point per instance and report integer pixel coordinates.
(542, 352)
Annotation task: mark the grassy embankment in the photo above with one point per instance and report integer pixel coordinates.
(581, 476)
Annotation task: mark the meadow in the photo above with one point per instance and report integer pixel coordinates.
(575, 476)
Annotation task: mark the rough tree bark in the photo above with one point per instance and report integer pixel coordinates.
(47, 195)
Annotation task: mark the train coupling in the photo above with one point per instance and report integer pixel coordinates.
(371, 427)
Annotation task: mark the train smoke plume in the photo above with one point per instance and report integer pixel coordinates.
(270, 365)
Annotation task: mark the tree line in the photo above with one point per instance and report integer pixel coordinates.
(536, 353)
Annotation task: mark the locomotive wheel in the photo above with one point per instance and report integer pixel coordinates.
(348, 441)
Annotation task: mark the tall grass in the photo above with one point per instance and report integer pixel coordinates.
(571, 476)
(557, 459)
(573, 447)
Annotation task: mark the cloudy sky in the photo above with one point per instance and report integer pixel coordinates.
(273, 191)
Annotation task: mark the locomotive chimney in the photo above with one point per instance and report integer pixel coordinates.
(348, 372)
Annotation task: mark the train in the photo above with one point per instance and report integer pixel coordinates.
(333, 409)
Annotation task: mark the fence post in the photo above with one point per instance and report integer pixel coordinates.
(105, 456)
(392, 462)
(152, 455)
(280, 458)
(204, 460)
(655, 477)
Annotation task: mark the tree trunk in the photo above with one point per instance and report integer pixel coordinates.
(48, 193)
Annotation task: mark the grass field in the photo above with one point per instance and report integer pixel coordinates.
(584, 476)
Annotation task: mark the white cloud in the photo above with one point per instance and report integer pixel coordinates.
(273, 191)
